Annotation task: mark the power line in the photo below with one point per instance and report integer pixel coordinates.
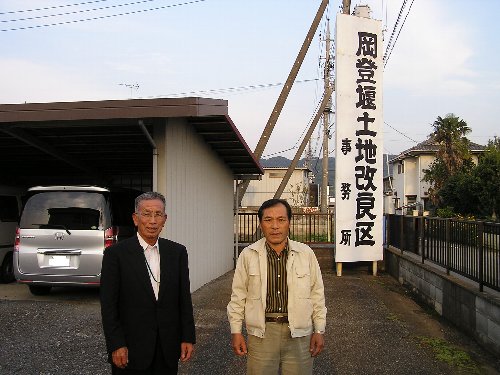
(386, 59)
(231, 89)
(52, 7)
(396, 130)
(302, 134)
(317, 159)
(279, 152)
(389, 44)
(78, 11)
(103, 17)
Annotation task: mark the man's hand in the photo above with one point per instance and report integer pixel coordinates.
(317, 344)
(186, 351)
(238, 343)
(120, 357)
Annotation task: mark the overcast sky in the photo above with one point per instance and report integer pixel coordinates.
(445, 60)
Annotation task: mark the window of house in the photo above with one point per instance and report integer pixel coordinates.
(279, 174)
(401, 168)
(411, 201)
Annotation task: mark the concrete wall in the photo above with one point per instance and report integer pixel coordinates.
(198, 187)
(475, 313)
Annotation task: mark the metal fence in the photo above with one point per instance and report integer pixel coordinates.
(308, 228)
(468, 248)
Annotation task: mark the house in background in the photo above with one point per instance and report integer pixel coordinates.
(388, 185)
(409, 192)
(297, 191)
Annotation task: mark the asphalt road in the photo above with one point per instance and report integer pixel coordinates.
(373, 327)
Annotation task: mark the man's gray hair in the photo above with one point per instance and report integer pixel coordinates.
(150, 195)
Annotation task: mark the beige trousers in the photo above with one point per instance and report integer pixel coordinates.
(265, 355)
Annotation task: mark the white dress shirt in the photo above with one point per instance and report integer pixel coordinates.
(152, 254)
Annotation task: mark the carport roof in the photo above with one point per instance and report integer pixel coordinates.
(108, 137)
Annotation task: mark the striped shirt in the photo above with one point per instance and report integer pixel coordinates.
(277, 288)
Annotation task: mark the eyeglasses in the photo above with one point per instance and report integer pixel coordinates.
(150, 215)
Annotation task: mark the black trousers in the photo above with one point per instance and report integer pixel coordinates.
(158, 366)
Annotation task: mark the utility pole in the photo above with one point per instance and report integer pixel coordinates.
(273, 118)
(326, 122)
(346, 6)
(309, 174)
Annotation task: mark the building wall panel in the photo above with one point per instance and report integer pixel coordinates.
(201, 216)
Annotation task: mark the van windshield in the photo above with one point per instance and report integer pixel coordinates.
(78, 210)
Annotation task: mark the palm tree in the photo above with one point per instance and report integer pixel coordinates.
(453, 154)
(449, 133)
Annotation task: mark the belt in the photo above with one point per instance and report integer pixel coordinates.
(277, 319)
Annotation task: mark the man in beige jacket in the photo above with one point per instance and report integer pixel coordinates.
(278, 291)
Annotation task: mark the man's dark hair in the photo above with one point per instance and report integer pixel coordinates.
(274, 202)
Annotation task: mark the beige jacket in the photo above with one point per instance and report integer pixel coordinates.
(306, 297)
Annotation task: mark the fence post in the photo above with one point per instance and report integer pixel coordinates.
(448, 245)
(331, 224)
(309, 231)
(386, 230)
(480, 245)
(401, 230)
(329, 236)
(415, 234)
(421, 237)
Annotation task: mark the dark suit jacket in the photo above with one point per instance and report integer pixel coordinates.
(131, 316)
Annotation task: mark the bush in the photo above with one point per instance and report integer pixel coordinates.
(445, 212)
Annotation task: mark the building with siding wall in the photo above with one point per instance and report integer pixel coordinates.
(409, 189)
(296, 191)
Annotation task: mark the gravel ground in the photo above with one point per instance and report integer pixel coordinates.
(373, 327)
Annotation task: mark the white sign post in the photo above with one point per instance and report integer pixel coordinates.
(358, 139)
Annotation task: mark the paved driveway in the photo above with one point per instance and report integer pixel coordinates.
(373, 327)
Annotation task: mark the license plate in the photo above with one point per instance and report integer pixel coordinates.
(59, 261)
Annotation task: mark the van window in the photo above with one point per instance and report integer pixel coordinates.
(8, 208)
(78, 210)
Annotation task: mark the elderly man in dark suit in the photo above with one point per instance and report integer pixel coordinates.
(146, 308)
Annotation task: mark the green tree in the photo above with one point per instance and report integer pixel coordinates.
(460, 192)
(487, 177)
(477, 191)
(453, 155)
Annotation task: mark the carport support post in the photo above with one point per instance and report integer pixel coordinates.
(237, 218)
(155, 170)
(159, 182)
(155, 155)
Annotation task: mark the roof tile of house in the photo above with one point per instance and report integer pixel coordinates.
(431, 146)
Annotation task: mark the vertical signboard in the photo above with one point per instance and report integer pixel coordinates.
(358, 139)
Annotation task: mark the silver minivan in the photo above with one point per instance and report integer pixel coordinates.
(63, 231)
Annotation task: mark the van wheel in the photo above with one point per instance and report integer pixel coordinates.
(7, 269)
(39, 290)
